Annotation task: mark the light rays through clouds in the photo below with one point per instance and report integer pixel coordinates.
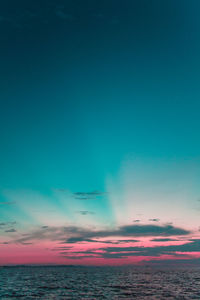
(137, 219)
(159, 192)
(99, 130)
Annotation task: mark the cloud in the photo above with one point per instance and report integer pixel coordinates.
(119, 252)
(163, 240)
(116, 237)
(88, 195)
(94, 193)
(5, 224)
(11, 230)
(85, 212)
(73, 240)
(144, 230)
(2, 224)
(63, 234)
(154, 220)
(82, 195)
(123, 252)
(136, 221)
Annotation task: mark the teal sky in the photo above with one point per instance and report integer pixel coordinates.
(99, 96)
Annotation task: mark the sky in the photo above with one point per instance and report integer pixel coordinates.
(99, 129)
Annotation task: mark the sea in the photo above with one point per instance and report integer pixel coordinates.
(69, 282)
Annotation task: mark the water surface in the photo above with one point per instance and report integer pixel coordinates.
(98, 283)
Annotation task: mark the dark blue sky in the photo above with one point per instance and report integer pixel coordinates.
(89, 82)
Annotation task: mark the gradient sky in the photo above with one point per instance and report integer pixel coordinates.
(99, 128)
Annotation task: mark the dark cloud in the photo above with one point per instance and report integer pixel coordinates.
(128, 231)
(83, 195)
(73, 240)
(114, 252)
(88, 195)
(2, 224)
(123, 252)
(44, 227)
(163, 240)
(5, 225)
(144, 230)
(136, 221)
(11, 230)
(94, 193)
(85, 212)
(73, 235)
(154, 220)
(63, 234)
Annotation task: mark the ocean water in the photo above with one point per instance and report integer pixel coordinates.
(98, 283)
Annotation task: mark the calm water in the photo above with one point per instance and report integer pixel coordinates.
(97, 283)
